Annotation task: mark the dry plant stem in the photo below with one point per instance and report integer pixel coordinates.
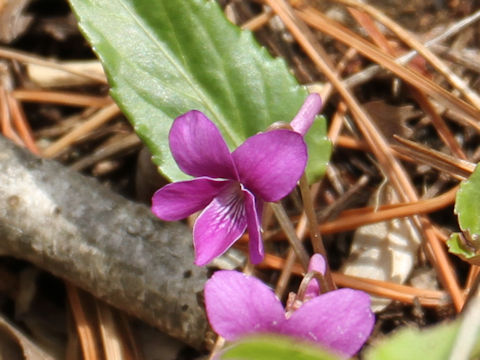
(315, 237)
(121, 145)
(258, 21)
(366, 74)
(21, 124)
(73, 348)
(289, 230)
(319, 21)
(336, 126)
(27, 58)
(377, 143)
(334, 130)
(62, 98)
(84, 328)
(351, 220)
(461, 57)
(109, 332)
(438, 122)
(286, 272)
(219, 343)
(414, 152)
(471, 278)
(350, 142)
(473, 291)
(131, 346)
(371, 29)
(6, 126)
(386, 289)
(354, 218)
(67, 124)
(461, 168)
(77, 229)
(326, 90)
(99, 118)
(18, 343)
(6, 119)
(395, 173)
(301, 232)
(403, 293)
(412, 41)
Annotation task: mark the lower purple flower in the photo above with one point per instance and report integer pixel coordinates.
(238, 305)
(230, 187)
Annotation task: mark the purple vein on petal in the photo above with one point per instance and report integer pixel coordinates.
(270, 164)
(220, 224)
(198, 147)
(238, 305)
(181, 199)
(255, 243)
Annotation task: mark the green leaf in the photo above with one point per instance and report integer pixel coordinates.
(434, 343)
(467, 207)
(409, 343)
(164, 58)
(458, 247)
(467, 204)
(319, 149)
(275, 347)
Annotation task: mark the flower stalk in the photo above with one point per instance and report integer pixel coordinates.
(315, 236)
(292, 237)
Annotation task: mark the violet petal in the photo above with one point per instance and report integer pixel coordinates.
(255, 244)
(306, 115)
(198, 147)
(181, 199)
(317, 264)
(340, 320)
(270, 164)
(239, 305)
(221, 224)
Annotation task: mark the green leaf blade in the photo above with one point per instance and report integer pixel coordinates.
(267, 347)
(466, 245)
(409, 343)
(164, 58)
(458, 339)
(467, 204)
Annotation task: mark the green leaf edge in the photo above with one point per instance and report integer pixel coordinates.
(467, 193)
(278, 347)
(318, 143)
(430, 343)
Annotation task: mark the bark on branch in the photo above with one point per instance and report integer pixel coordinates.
(75, 228)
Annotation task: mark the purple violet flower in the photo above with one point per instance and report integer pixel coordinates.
(230, 187)
(238, 305)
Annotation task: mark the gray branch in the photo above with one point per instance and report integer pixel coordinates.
(77, 229)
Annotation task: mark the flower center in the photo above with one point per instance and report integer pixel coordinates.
(232, 201)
